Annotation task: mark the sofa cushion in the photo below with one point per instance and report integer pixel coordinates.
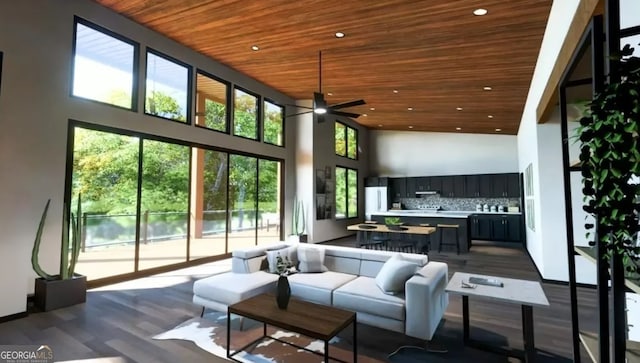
(290, 253)
(318, 288)
(363, 295)
(256, 251)
(229, 288)
(394, 274)
(311, 259)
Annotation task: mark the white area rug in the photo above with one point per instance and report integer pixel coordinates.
(209, 333)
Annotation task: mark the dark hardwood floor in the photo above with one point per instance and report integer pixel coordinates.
(119, 320)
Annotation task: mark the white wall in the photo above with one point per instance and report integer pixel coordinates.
(540, 146)
(35, 106)
(408, 153)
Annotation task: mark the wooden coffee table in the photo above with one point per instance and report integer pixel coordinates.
(313, 320)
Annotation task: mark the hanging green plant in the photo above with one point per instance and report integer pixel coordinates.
(610, 156)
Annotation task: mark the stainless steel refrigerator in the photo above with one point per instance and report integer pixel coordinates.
(375, 201)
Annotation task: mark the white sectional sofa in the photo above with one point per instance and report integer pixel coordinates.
(349, 283)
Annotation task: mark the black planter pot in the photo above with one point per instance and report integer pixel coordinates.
(56, 294)
(283, 292)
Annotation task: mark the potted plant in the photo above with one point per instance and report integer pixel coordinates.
(610, 157)
(393, 223)
(66, 288)
(298, 222)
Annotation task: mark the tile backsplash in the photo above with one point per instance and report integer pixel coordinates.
(461, 204)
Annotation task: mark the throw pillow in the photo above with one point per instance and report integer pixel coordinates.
(394, 273)
(311, 259)
(290, 253)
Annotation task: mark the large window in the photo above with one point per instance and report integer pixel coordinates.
(346, 193)
(211, 102)
(167, 87)
(104, 66)
(245, 114)
(273, 123)
(152, 203)
(346, 140)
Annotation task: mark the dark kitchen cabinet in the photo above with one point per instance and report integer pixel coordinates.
(452, 186)
(472, 186)
(513, 185)
(496, 227)
(398, 187)
(376, 181)
(480, 226)
(428, 184)
(485, 185)
(411, 185)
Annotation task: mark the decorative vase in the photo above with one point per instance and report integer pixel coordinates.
(283, 293)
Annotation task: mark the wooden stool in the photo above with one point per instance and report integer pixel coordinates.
(444, 227)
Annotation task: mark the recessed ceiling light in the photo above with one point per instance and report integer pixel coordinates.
(458, 108)
(498, 130)
(255, 48)
(490, 116)
(365, 115)
(487, 88)
(480, 12)
(410, 108)
(372, 108)
(340, 35)
(329, 93)
(410, 127)
(458, 128)
(379, 125)
(395, 91)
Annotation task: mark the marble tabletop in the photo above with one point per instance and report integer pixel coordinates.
(525, 292)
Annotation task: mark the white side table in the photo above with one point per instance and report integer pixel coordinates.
(524, 292)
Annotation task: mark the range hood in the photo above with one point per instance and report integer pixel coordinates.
(427, 192)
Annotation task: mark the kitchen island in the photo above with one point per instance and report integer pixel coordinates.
(491, 226)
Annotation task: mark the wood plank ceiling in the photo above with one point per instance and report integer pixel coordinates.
(436, 54)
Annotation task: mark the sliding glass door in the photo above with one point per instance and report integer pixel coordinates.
(105, 173)
(154, 203)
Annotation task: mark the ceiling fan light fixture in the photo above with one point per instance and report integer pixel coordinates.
(480, 12)
(320, 110)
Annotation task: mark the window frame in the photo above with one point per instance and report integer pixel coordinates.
(346, 175)
(189, 106)
(282, 113)
(135, 70)
(346, 140)
(258, 114)
(228, 103)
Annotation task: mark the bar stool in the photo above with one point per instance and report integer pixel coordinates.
(427, 238)
(443, 228)
(378, 241)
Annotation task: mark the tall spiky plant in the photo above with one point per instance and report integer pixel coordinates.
(67, 263)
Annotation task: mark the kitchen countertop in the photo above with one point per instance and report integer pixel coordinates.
(440, 214)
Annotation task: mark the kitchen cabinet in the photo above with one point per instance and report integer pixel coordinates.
(480, 226)
(485, 186)
(452, 186)
(513, 185)
(376, 181)
(472, 186)
(398, 188)
(428, 184)
(496, 227)
(411, 185)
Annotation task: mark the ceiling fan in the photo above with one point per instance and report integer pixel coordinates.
(320, 107)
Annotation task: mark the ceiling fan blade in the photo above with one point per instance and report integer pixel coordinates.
(298, 114)
(348, 104)
(342, 113)
(299, 106)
